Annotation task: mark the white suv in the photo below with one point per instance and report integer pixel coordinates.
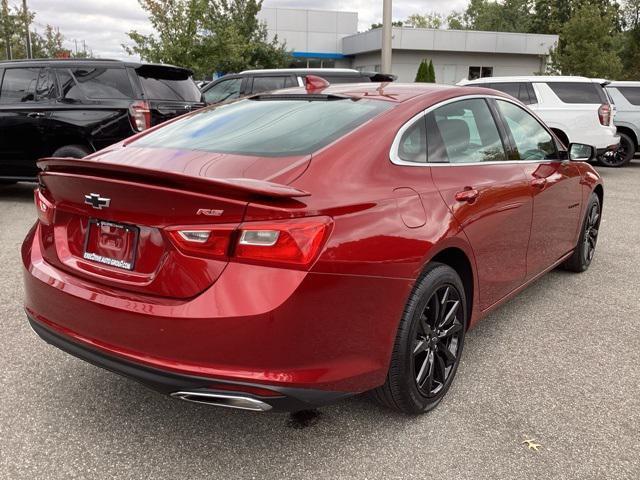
(576, 108)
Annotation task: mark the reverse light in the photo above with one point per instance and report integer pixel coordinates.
(44, 207)
(604, 114)
(140, 115)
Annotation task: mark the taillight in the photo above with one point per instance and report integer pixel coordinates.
(294, 243)
(140, 115)
(210, 242)
(44, 207)
(604, 114)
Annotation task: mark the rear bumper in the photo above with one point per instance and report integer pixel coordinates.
(278, 328)
(283, 399)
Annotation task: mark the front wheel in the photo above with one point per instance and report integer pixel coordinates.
(428, 344)
(586, 248)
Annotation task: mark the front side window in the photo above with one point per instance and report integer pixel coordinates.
(103, 83)
(266, 128)
(223, 91)
(532, 141)
(19, 85)
(467, 133)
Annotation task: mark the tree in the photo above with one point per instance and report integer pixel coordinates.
(397, 23)
(428, 20)
(431, 76)
(207, 36)
(423, 71)
(590, 45)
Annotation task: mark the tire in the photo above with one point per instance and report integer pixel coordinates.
(585, 249)
(73, 151)
(626, 149)
(417, 382)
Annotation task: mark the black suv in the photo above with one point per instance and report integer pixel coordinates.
(70, 108)
(250, 82)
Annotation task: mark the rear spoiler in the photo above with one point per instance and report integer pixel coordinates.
(233, 186)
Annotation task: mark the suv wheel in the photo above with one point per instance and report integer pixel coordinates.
(622, 156)
(428, 344)
(73, 151)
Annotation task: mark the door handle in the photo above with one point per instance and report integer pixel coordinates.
(539, 182)
(35, 114)
(468, 195)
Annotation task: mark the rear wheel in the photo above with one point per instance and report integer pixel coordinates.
(626, 149)
(73, 151)
(428, 344)
(586, 248)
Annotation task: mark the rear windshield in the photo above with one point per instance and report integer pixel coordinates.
(168, 84)
(275, 128)
(632, 94)
(103, 83)
(578, 92)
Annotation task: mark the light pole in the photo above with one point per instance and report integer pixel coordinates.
(385, 64)
(27, 29)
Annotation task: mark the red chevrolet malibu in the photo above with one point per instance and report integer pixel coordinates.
(298, 247)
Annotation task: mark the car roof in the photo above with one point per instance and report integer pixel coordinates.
(530, 78)
(387, 91)
(339, 71)
(83, 61)
(625, 83)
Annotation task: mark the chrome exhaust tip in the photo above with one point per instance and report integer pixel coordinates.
(223, 400)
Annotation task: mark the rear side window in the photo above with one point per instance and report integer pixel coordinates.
(69, 89)
(103, 83)
(19, 85)
(578, 92)
(467, 132)
(264, 84)
(632, 94)
(163, 83)
(272, 128)
(521, 90)
(413, 143)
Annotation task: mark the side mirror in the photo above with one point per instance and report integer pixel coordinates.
(580, 152)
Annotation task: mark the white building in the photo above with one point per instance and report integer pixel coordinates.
(331, 39)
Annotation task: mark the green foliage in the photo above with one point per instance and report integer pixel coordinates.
(397, 23)
(431, 75)
(207, 36)
(423, 69)
(590, 45)
(428, 20)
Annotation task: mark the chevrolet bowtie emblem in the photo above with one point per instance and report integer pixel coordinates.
(96, 201)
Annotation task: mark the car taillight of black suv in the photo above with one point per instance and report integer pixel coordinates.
(70, 108)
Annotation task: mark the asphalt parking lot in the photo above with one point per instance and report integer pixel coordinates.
(558, 364)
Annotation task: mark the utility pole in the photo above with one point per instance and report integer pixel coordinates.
(27, 25)
(385, 65)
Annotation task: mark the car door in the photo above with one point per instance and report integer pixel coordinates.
(24, 102)
(488, 194)
(554, 184)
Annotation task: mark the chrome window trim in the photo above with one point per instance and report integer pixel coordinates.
(396, 160)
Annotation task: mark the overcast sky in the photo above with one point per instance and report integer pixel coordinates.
(103, 24)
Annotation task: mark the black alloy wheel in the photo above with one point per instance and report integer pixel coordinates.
(586, 247)
(429, 342)
(437, 341)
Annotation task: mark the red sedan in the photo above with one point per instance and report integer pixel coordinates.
(298, 247)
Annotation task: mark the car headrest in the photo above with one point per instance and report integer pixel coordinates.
(455, 135)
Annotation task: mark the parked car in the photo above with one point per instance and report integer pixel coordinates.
(576, 108)
(252, 257)
(626, 98)
(249, 82)
(70, 108)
